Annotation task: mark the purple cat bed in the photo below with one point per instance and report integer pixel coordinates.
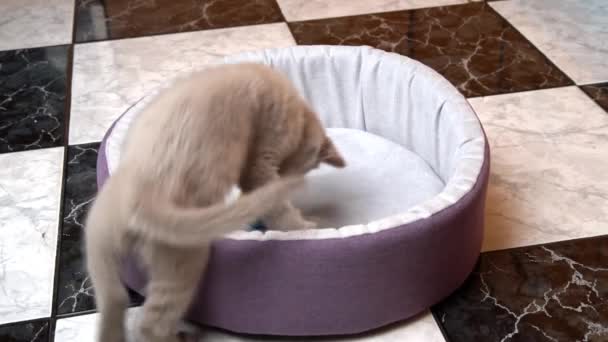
(405, 218)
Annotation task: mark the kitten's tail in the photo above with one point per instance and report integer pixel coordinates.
(164, 222)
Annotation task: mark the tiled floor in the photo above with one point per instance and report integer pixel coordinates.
(536, 72)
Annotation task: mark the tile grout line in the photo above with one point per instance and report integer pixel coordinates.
(381, 12)
(38, 47)
(27, 321)
(519, 91)
(543, 244)
(437, 320)
(151, 35)
(66, 130)
(61, 210)
(283, 18)
(602, 83)
(580, 87)
(489, 4)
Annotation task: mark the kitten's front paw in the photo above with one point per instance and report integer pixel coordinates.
(291, 222)
(112, 335)
(305, 224)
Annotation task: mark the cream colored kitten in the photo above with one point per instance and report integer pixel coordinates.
(228, 125)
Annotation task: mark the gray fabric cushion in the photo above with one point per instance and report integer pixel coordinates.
(382, 179)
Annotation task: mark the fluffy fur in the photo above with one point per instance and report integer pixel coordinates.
(228, 125)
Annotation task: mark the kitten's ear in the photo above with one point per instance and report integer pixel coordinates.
(330, 155)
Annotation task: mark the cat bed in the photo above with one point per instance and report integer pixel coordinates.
(402, 224)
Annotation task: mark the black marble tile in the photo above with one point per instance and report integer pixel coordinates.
(555, 292)
(471, 45)
(74, 290)
(599, 93)
(34, 331)
(112, 19)
(33, 86)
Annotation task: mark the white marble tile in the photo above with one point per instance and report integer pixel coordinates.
(84, 328)
(109, 76)
(30, 189)
(421, 329)
(34, 23)
(548, 175)
(572, 33)
(76, 329)
(297, 10)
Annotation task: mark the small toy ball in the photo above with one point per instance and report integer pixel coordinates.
(258, 225)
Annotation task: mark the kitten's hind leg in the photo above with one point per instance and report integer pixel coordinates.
(173, 277)
(110, 296)
(103, 258)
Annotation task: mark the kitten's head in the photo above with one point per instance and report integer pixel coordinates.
(314, 148)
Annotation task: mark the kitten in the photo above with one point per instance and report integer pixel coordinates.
(228, 125)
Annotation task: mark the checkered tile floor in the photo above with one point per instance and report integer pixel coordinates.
(535, 71)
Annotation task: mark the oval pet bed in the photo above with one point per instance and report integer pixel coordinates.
(403, 223)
